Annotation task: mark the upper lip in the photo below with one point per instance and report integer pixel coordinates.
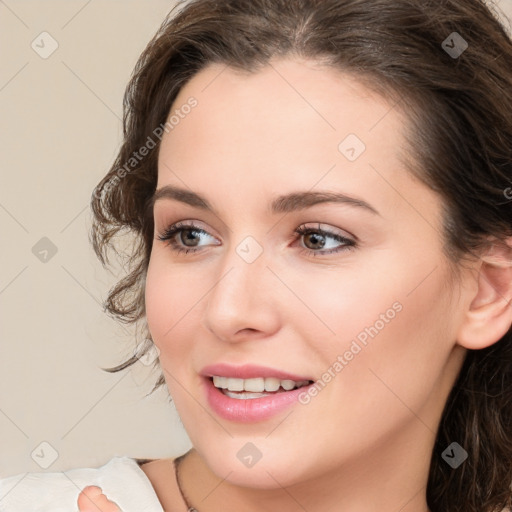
(249, 371)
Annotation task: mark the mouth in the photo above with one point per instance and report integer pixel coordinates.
(251, 393)
(257, 387)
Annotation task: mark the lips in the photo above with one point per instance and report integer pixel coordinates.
(235, 392)
(249, 371)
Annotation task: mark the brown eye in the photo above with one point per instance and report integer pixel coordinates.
(189, 236)
(185, 237)
(315, 241)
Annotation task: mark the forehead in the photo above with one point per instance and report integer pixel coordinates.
(294, 97)
(291, 124)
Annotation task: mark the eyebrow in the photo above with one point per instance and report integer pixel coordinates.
(294, 201)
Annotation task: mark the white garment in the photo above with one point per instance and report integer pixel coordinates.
(121, 480)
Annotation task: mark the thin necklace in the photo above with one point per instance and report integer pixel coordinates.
(177, 462)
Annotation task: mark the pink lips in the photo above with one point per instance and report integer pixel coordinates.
(254, 409)
(248, 371)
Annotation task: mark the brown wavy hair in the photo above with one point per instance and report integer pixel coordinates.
(460, 138)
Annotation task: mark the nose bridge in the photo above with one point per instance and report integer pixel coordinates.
(241, 298)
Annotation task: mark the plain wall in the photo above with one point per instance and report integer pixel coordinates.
(60, 130)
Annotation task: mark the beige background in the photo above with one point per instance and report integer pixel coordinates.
(60, 129)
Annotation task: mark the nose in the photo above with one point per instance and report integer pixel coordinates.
(242, 303)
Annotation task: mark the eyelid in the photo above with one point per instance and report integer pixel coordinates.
(326, 228)
(182, 225)
(188, 223)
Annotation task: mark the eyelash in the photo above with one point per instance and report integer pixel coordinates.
(169, 234)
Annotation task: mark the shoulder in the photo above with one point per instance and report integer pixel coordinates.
(121, 479)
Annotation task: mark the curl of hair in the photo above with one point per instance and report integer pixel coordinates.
(460, 142)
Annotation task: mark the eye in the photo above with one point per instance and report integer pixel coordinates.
(188, 235)
(186, 238)
(316, 241)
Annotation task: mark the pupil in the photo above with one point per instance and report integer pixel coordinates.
(319, 239)
(188, 236)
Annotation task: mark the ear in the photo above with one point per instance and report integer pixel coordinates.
(489, 315)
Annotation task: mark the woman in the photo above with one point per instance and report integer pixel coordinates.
(320, 195)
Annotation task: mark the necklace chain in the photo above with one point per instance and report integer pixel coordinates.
(177, 462)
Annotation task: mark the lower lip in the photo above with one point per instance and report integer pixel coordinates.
(250, 410)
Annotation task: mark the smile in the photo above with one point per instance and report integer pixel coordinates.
(255, 387)
(258, 387)
(251, 393)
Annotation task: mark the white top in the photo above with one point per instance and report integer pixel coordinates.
(121, 479)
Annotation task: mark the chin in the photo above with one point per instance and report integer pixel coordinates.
(263, 478)
(272, 471)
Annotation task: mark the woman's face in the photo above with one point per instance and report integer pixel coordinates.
(359, 301)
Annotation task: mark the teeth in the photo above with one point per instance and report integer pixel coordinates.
(220, 382)
(272, 384)
(256, 385)
(244, 396)
(287, 384)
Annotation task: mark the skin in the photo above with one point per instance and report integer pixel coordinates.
(91, 499)
(364, 443)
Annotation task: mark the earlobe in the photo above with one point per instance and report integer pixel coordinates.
(489, 315)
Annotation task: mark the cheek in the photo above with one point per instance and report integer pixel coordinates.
(381, 323)
(170, 300)
(156, 296)
(405, 340)
(385, 365)
(331, 307)
(173, 296)
(165, 296)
